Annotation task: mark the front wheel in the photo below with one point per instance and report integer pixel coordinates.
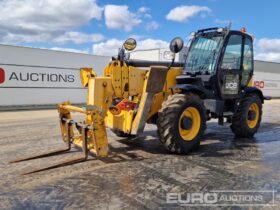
(181, 122)
(246, 120)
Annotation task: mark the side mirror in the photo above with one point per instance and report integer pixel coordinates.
(176, 45)
(130, 44)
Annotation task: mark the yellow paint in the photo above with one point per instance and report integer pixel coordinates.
(136, 80)
(251, 83)
(171, 77)
(85, 74)
(254, 108)
(125, 81)
(139, 114)
(122, 121)
(73, 109)
(115, 71)
(193, 114)
(99, 91)
(97, 137)
(64, 113)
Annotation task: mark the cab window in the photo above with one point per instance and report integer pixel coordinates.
(232, 56)
(247, 61)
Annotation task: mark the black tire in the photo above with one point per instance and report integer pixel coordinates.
(121, 133)
(240, 125)
(169, 118)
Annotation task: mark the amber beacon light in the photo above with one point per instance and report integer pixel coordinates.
(243, 30)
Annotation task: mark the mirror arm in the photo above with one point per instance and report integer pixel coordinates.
(121, 54)
(172, 62)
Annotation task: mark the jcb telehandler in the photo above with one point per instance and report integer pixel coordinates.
(215, 81)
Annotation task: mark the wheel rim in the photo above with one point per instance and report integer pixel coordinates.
(192, 114)
(254, 108)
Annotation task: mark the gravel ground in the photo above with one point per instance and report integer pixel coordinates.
(139, 173)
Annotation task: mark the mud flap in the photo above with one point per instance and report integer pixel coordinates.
(154, 84)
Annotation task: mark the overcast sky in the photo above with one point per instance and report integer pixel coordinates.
(99, 27)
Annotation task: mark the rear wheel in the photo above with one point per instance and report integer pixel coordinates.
(246, 120)
(181, 122)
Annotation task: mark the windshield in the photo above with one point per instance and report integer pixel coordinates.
(203, 53)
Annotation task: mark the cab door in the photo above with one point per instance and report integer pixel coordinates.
(230, 67)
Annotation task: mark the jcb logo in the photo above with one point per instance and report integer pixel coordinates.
(231, 85)
(2, 76)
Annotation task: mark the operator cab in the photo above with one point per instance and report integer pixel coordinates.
(219, 61)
